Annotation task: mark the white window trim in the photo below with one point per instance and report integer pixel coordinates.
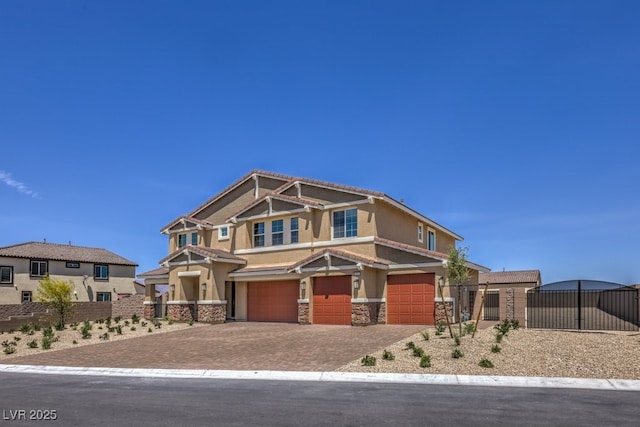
(191, 238)
(39, 261)
(10, 268)
(271, 232)
(420, 233)
(94, 272)
(178, 240)
(345, 224)
(435, 243)
(220, 236)
(264, 234)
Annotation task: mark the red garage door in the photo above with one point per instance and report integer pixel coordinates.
(273, 301)
(332, 300)
(410, 299)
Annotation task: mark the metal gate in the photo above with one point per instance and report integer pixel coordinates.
(491, 306)
(583, 307)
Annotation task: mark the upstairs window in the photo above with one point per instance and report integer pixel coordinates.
(182, 240)
(431, 243)
(420, 233)
(6, 275)
(277, 232)
(294, 230)
(345, 223)
(194, 239)
(101, 272)
(258, 234)
(223, 232)
(39, 268)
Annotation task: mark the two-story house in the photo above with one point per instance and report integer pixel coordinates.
(278, 248)
(97, 274)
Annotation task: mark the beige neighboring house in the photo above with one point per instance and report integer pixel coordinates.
(97, 274)
(278, 248)
(507, 293)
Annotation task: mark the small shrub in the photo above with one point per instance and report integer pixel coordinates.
(495, 349)
(515, 324)
(387, 355)
(104, 336)
(37, 327)
(117, 319)
(425, 335)
(10, 349)
(135, 318)
(133, 328)
(100, 328)
(126, 323)
(425, 361)
(468, 328)
(504, 327)
(46, 342)
(48, 333)
(119, 329)
(410, 345)
(156, 323)
(16, 339)
(11, 331)
(143, 324)
(191, 322)
(149, 330)
(75, 342)
(59, 326)
(368, 361)
(25, 328)
(100, 321)
(456, 339)
(32, 344)
(418, 352)
(457, 354)
(165, 318)
(112, 329)
(170, 322)
(108, 321)
(499, 338)
(439, 328)
(485, 363)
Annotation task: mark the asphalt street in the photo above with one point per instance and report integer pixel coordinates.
(109, 401)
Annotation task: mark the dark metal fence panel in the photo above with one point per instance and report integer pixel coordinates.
(161, 311)
(613, 309)
(491, 306)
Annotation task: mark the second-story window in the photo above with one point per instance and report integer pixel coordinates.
(194, 239)
(223, 232)
(345, 223)
(277, 232)
(258, 234)
(101, 272)
(431, 242)
(294, 229)
(420, 233)
(6, 274)
(39, 268)
(182, 240)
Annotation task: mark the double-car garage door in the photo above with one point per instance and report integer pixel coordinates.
(410, 299)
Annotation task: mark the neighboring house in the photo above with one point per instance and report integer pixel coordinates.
(272, 247)
(507, 293)
(97, 274)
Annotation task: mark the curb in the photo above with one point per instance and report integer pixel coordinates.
(427, 379)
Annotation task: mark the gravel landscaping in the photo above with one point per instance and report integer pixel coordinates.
(70, 337)
(524, 352)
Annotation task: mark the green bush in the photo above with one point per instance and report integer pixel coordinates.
(117, 319)
(410, 345)
(387, 355)
(457, 354)
(439, 328)
(495, 349)
(485, 363)
(133, 328)
(425, 335)
(149, 330)
(26, 328)
(119, 329)
(104, 336)
(9, 346)
(425, 361)
(468, 328)
(126, 323)
(515, 324)
(75, 342)
(32, 344)
(418, 352)
(499, 337)
(456, 339)
(368, 361)
(46, 342)
(504, 327)
(135, 318)
(85, 330)
(191, 322)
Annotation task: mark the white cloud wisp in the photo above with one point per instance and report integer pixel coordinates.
(6, 178)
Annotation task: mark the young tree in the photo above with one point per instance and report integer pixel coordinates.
(457, 273)
(57, 294)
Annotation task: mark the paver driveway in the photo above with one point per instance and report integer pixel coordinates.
(241, 346)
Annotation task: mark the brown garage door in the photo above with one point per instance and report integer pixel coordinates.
(332, 300)
(272, 301)
(410, 299)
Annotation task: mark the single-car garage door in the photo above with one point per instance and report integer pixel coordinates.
(332, 300)
(410, 299)
(272, 301)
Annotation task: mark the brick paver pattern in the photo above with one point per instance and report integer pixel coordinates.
(234, 346)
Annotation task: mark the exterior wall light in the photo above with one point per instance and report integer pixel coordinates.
(203, 287)
(303, 285)
(356, 284)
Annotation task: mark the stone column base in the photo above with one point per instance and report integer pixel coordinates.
(149, 311)
(212, 313)
(364, 313)
(180, 312)
(382, 313)
(303, 313)
(439, 314)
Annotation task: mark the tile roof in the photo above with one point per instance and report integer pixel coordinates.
(405, 247)
(524, 276)
(337, 253)
(215, 254)
(160, 271)
(58, 252)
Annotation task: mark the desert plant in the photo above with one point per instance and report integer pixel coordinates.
(387, 355)
(32, 344)
(126, 323)
(504, 327)
(515, 324)
(368, 361)
(117, 319)
(75, 342)
(104, 336)
(170, 322)
(10, 349)
(495, 348)
(410, 345)
(425, 335)
(143, 324)
(418, 352)
(26, 328)
(46, 342)
(499, 337)
(135, 318)
(119, 329)
(468, 328)
(456, 339)
(485, 363)
(111, 329)
(16, 339)
(49, 334)
(149, 330)
(36, 327)
(425, 361)
(108, 321)
(133, 328)
(156, 323)
(457, 354)
(439, 328)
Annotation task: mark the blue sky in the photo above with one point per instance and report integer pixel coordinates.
(515, 124)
